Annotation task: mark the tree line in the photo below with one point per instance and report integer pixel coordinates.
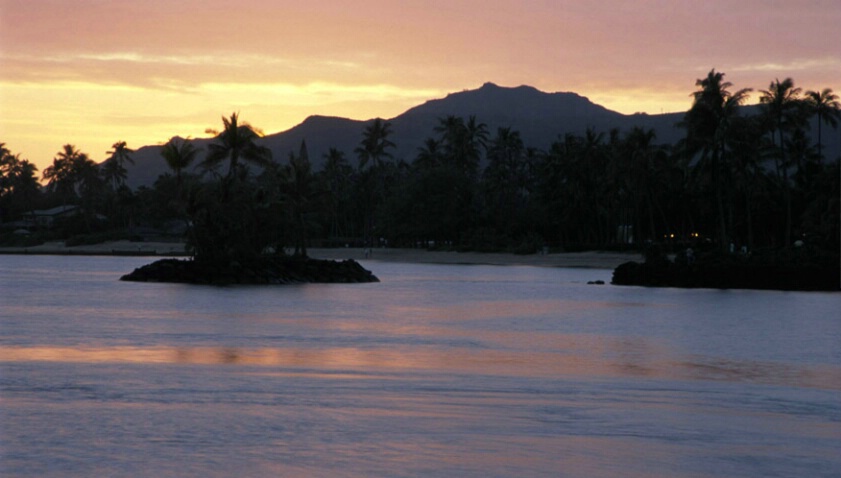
(754, 180)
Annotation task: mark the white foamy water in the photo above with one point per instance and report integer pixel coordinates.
(439, 370)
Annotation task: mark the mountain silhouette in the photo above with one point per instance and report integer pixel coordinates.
(540, 117)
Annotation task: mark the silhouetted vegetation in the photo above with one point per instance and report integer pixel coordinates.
(758, 181)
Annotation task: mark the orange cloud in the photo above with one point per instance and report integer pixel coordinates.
(90, 73)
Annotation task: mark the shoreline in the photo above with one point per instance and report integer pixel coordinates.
(584, 260)
(588, 259)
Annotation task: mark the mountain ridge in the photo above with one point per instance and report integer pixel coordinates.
(540, 117)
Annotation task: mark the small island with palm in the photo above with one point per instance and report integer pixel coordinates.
(234, 223)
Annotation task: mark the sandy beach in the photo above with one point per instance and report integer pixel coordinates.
(589, 259)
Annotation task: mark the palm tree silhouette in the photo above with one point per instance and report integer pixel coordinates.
(429, 155)
(299, 191)
(70, 168)
(505, 178)
(781, 105)
(179, 154)
(237, 141)
(783, 109)
(463, 142)
(825, 105)
(641, 171)
(114, 170)
(708, 124)
(18, 183)
(374, 149)
(336, 173)
(375, 144)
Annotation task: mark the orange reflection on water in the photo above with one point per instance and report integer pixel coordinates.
(569, 356)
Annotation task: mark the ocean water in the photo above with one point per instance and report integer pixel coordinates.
(439, 370)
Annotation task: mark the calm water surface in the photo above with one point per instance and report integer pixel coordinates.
(439, 370)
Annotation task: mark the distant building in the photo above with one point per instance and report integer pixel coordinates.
(46, 217)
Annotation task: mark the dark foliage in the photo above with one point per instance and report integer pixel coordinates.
(757, 181)
(804, 270)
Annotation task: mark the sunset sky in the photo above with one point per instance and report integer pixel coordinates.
(92, 72)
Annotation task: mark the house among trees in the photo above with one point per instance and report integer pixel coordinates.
(47, 217)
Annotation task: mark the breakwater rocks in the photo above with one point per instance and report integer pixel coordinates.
(733, 273)
(268, 270)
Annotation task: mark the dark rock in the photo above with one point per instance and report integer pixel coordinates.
(266, 270)
(777, 271)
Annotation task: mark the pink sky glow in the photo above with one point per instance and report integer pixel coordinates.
(92, 72)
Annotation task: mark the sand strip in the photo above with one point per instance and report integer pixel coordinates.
(590, 259)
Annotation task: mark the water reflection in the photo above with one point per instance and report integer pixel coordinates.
(436, 371)
(573, 357)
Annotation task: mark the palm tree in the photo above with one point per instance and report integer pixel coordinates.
(781, 105)
(825, 105)
(8, 161)
(374, 149)
(745, 144)
(640, 169)
(429, 155)
(507, 152)
(336, 174)
(64, 173)
(475, 138)
(375, 144)
(708, 124)
(450, 128)
(463, 142)
(783, 109)
(114, 174)
(803, 152)
(26, 183)
(18, 183)
(237, 141)
(600, 187)
(90, 184)
(114, 170)
(179, 154)
(506, 178)
(74, 176)
(299, 191)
